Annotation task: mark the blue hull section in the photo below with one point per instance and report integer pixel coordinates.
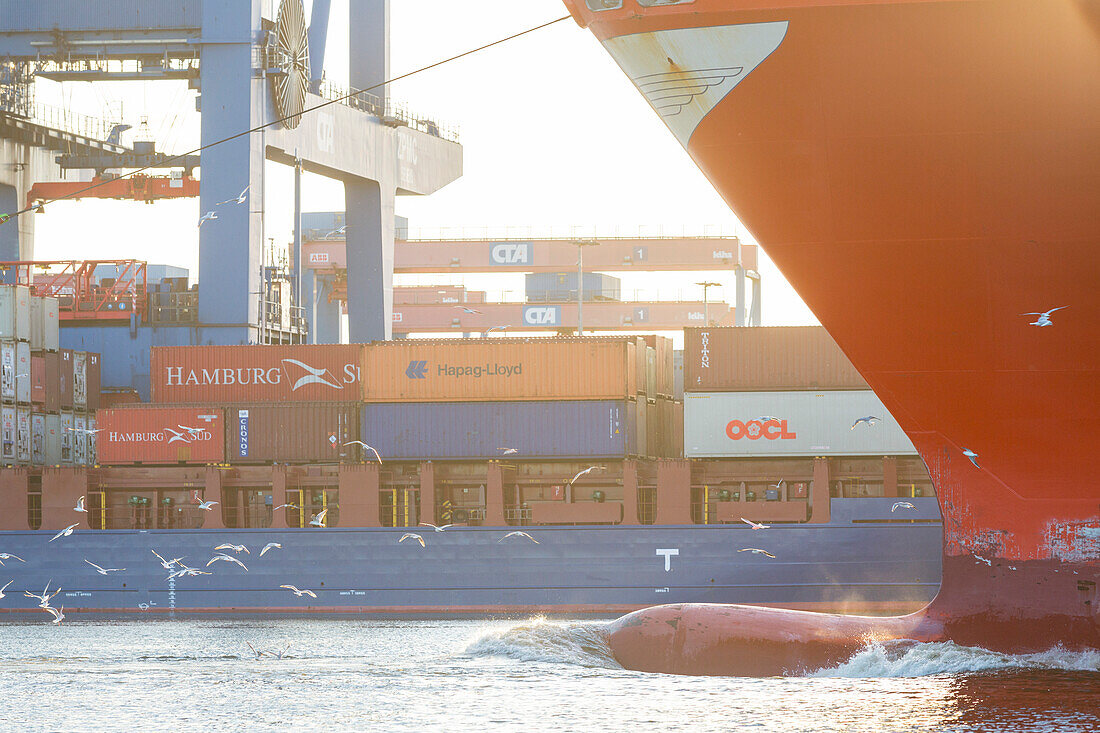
(866, 565)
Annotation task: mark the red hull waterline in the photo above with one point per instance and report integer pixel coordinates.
(923, 172)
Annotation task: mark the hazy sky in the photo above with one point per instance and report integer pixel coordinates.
(553, 135)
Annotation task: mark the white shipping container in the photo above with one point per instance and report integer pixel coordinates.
(80, 444)
(8, 429)
(51, 333)
(53, 440)
(721, 424)
(23, 435)
(67, 438)
(80, 380)
(7, 312)
(37, 332)
(38, 439)
(22, 313)
(7, 371)
(22, 372)
(93, 456)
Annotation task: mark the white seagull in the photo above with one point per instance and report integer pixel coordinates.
(79, 505)
(8, 556)
(901, 505)
(300, 593)
(2, 593)
(471, 311)
(234, 548)
(755, 525)
(208, 505)
(517, 533)
(207, 217)
(508, 451)
(581, 473)
(187, 572)
(64, 533)
(1044, 318)
(270, 546)
(436, 528)
(767, 418)
(367, 447)
(239, 200)
(166, 564)
(495, 328)
(869, 420)
(971, 455)
(285, 506)
(102, 570)
(412, 536)
(318, 520)
(58, 614)
(756, 551)
(227, 558)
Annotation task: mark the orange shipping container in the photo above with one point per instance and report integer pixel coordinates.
(500, 369)
(160, 435)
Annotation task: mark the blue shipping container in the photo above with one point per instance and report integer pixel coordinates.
(482, 430)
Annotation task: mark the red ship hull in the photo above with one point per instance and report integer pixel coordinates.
(923, 173)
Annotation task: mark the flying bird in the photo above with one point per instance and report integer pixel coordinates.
(79, 505)
(495, 328)
(436, 528)
(234, 548)
(166, 564)
(517, 533)
(64, 533)
(901, 505)
(971, 455)
(58, 614)
(318, 520)
(767, 418)
(226, 558)
(300, 593)
(341, 230)
(581, 473)
(366, 447)
(239, 200)
(412, 536)
(779, 485)
(2, 593)
(207, 217)
(1044, 318)
(755, 525)
(284, 506)
(508, 451)
(869, 420)
(8, 556)
(471, 311)
(756, 551)
(187, 572)
(208, 505)
(102, 570)
(270, 546)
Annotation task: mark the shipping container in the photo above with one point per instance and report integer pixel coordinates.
(678, 374)
(80, 380)
(292, 433)
(224, 374)
(7, 370)
(23, 435)
(38, 379)
(51, 334)
(52, 361)
(802, 423)
(745, 359)
(92, 383)
(493, 370)
(38, 323)
(7, 312)
(152, 434)
(561, 287)
(65, 378)
(665, 381)
(589, 429)
(80, 439)
(15, 313)
(38, 439)
(68, 437)
(665, 431)
(53, 440)
(8, 432)
(22, 372)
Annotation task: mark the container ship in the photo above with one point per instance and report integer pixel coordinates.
(927, 176)
(329, 455)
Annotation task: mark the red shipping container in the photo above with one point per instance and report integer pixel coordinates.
(292, 433)
(53, 385)
(38, 379)
(160, 435)
(65, 379)
(91, 366)
(300, 373)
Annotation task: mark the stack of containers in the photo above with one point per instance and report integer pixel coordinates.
(786, 391)
(241, 405)
(38, 424)
(666, 413)
(539, 398)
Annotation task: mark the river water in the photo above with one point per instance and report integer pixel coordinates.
(534, 674)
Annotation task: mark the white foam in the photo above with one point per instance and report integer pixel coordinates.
(539, 640)
(913, 659)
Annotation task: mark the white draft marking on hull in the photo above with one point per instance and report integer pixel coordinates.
(685, 73)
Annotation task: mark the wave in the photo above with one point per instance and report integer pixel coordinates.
(539, 640)
(915, 659)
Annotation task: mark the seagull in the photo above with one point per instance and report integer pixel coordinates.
(64, 533)
(58, 614)
(754, 525)
(412, 536)
(101, 570)
(590, 468)
(227, 558)
(870, 420)
(239, 200)
(189, 572)
(757, 551)
(208, 505)
(8, 556)
(1044, 318)
(901, 505)
(79, 505)
(508, 451)
(780, 484)
(284, 506)
(207, 217)
(234, 548)
(300, 593)
(166, 564)
(471, 311)
(318, 520)
(269, 546)
(767, 418)
(517, 533)
(328, 235)
(2, 594)
(45, 598)
(437, 529)
(971, 455)
(367, 447)
(979, 558)
(495, 328)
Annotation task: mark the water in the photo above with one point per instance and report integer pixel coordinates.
(538, 675)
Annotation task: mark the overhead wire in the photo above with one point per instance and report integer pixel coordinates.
(75, 194)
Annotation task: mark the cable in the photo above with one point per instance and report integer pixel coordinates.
(4, 218)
